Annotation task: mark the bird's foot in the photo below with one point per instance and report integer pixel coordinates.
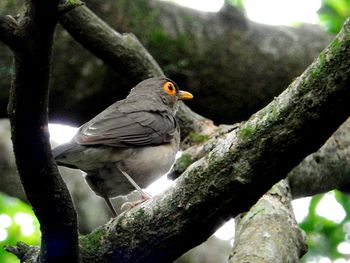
(128, 205)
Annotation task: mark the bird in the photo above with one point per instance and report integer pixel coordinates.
(129, 144)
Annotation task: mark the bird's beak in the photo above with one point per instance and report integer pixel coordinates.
(185, 95)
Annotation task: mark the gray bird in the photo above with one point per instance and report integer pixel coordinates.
(131, 143)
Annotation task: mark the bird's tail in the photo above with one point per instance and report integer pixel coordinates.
(61, 151)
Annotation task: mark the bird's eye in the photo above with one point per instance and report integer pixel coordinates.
(169, 88)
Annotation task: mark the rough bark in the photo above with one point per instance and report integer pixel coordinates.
(27, 110)
(268, 232)
(237, 171)
(322, 171)
(233, 66)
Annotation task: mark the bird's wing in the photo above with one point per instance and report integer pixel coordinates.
(114, 127)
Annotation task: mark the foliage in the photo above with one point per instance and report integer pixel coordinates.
(333, 13)
(236, 3)
(325, 235)
(18, 221)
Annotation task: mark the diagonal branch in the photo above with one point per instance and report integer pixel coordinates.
(321, 171)
(123, 52)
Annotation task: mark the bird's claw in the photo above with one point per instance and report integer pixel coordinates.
(129, 205)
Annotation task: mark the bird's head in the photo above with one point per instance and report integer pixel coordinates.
(161, 88)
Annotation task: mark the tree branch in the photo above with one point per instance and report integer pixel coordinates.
(326, 169)
(27, 110)
(322, 171)
(268, 232)
(124, 53)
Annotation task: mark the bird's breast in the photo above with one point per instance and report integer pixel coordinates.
(149, 163)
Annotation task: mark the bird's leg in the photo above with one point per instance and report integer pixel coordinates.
(144, 196)
(110, 205)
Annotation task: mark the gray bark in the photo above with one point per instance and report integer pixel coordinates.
(268, 232)
(326, 169)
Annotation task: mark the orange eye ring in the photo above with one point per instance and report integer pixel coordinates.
(169, 88)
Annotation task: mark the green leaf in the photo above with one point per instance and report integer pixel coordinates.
(333, 14)
(18, 221)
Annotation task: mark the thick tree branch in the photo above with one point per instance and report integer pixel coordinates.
(322, 171)
(238, 171)
(27, 109)
(126, 55)
(268, 232)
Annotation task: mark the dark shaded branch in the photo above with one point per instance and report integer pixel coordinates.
(125, 54)
(268, 232)
(238, 170)
(24, 252)
(27, 110)
(326, 169)
(8, 27)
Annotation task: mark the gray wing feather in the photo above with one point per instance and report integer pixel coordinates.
(116, 128)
